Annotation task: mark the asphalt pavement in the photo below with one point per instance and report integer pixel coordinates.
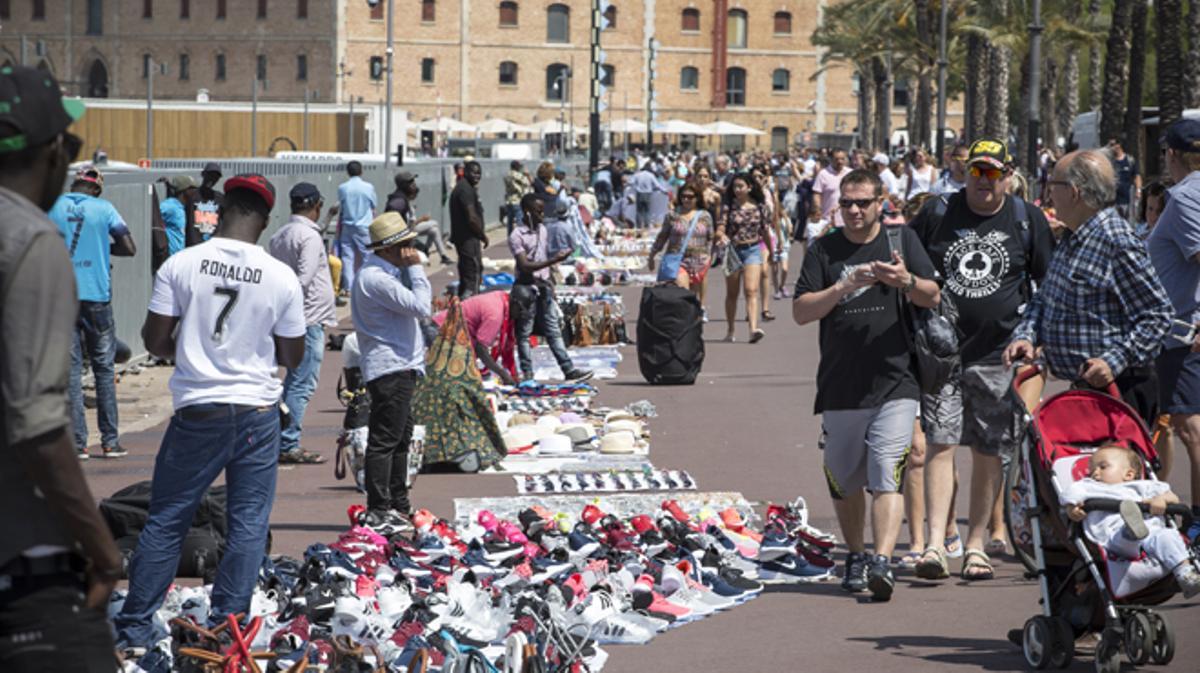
(746, 425)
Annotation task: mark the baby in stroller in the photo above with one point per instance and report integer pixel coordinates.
(1113, 472)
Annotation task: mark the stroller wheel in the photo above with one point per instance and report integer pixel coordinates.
(1139, 638)
(1064, 643)
(1108, 652)
(1038, 642)
(1163, 650)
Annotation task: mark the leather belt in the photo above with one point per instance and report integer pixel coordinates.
(209, 412)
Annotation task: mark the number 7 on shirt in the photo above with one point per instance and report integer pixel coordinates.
(231, 295)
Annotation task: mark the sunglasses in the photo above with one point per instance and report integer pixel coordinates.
(687, 195)
(992, 174)
(862, 204)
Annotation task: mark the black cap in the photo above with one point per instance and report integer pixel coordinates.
(1182, 136)
(994, 153)
(212, 167)
(515, 165)
(405, 178)
(32, 108)
(304, 191)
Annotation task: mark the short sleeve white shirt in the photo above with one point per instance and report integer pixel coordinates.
(231, 298)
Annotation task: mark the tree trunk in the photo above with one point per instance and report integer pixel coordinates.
(1132, 137)
(1192, 91)
(996, 123)
(1095, 81)
(866, 108)
(925, 34)
(1116, 62)
(1049, 98)
(910, 116)
(1068, 109)
(977, 86)
(1021, 151)
(1168, 15)
(883, 103)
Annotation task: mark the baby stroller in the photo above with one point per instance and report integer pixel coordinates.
(1083, 588)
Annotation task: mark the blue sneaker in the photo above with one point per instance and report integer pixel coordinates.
(790, 568)
(775, 544)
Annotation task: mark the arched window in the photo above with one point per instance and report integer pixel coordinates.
(558, 23)
(428, 11)
(508, 73)
(781, 80)
(508, 13)
(736, 33)
(779, 138)
(95, 17)
(690, 22)
(783, 23)
(608, 75)
(689, 78)
(735, 87)
(558, 82)
(97, 80)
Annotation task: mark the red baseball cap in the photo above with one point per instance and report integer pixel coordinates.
(255, 183)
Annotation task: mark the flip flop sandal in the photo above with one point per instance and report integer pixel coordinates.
(995, 546)
(909, 560)
(953, 546)
(932, 565)
(974, 562)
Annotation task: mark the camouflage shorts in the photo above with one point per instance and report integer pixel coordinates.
(978, 409)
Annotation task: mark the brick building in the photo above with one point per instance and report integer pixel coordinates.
(745, 61)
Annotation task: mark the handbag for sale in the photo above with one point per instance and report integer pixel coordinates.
(668, 269)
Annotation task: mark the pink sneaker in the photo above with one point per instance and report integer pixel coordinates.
(487, 520)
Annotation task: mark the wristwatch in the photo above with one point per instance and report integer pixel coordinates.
(912, 282)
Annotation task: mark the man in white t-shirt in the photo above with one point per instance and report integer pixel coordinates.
(240, 315)
(882, 166)
(826, 192)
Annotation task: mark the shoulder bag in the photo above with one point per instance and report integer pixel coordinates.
(931, 334)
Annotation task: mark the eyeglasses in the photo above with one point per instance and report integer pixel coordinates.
(992, 174)
(687, 195)
(71, 145)
(1064, 183)
(862, 204)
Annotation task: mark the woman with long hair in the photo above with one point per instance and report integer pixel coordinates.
(743, 230)
(690, 214)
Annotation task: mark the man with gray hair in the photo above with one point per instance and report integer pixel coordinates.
(1101, 313)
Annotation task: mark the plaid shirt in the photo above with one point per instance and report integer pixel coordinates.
(1100, 298)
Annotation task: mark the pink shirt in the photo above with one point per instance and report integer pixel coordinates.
(828, 184)
(484, 314)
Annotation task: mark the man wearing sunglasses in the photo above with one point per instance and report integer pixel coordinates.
(990, 247)
(58, 562)
(867, 393)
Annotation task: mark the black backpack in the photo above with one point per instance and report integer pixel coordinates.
(670, 335)
(932, 334)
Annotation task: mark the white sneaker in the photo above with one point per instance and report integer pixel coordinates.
(393, 601)
(1188, 579)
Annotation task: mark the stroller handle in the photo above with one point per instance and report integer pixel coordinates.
(1037, 368)
(1114, 505)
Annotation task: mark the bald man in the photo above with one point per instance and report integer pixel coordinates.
(1101, 313)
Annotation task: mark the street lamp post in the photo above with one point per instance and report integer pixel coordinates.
(387, 117)
(150, 108)
(1035, 98)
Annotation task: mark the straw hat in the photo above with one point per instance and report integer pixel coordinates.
(579, 433)
(521, 440)
(555, 445)
(622, 442)
(624, 424)
(619, 415)
(389, 229)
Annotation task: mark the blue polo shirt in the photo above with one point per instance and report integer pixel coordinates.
(1174, 244)
(89, 225)
(175, 219)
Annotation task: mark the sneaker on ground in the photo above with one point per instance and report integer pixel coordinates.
(854, 574)
(880, 579)
(114, 451)
(788, 569)
(83, 455)
(578, 375)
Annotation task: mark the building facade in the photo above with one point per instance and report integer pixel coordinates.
(750, 62)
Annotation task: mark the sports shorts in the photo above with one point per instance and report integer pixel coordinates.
(867, 448)
(978, 409)
(1179, 381)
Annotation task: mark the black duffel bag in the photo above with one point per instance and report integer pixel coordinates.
(670, 335)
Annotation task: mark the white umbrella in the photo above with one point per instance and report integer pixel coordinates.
(678, 126)
(731, 129)
(627, 126)
(445, 125)
(502, 126)
(557, 126)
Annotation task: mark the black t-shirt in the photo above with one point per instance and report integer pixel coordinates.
(987, 262)
(398, 202)
(864, 354)
(464, 205)
(203, 215)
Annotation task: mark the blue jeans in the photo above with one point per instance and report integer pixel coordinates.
(94, 331)
(201, 441)
(550, 316)
(352, 249)
(299, 385)
(512, 215)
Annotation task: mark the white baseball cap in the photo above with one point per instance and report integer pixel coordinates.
(881, 159)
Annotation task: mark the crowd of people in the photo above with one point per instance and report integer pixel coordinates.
(1059, 276)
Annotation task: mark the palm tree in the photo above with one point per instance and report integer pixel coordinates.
(977, 85)
(1193, 60)
(1168, 14)
(1049, 99)
(925, 37)
(1132, 137)
(1069, 107)
(1116, 60)
(1094, 81)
